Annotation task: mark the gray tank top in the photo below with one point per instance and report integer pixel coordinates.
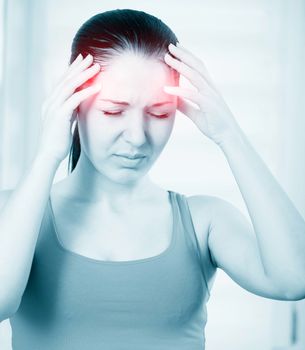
(73, 302)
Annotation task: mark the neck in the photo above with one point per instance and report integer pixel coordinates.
(89, 185)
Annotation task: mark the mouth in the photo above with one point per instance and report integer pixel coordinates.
(130, 161)
(131, 156)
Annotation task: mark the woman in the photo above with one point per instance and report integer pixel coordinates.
(106, 259)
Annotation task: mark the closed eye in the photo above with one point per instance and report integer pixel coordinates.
(112, 113)
(165, 115)
(160, 115)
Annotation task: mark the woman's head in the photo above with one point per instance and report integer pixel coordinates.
(130, 46)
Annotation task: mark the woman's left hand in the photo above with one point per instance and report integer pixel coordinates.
(213, 117)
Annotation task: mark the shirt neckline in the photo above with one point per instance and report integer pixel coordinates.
(78, 256)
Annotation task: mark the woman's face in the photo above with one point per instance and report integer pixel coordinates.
(131, 117)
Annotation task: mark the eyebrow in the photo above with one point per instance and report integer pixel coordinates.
(123, 103)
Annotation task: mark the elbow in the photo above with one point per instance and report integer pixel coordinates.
(295, 296)
(8, 309)
(4, 315)
(294, 292)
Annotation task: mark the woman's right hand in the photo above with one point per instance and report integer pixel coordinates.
(58, 110)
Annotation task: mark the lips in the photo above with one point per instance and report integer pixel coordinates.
(131, 156)
(130, 161)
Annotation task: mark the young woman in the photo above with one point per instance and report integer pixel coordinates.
(105, 258)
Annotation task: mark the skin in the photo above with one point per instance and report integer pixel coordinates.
(138, 81)
(102, 190)
(264, 256)
(243, 249)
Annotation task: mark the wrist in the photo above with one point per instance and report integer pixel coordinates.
(230, 139)
(45, 159)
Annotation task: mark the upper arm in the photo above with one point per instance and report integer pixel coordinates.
(234, 248)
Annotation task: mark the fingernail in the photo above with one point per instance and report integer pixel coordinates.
(89, 56)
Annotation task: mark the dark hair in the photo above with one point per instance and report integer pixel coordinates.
(111, 33)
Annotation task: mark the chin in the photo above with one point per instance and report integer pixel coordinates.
(123, 175)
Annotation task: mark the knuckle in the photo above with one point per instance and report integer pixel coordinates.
(75, 97)
(68, 80)
(179, 65)
(72, 103)
(72, 82)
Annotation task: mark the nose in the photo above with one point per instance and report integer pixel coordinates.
(134, 132)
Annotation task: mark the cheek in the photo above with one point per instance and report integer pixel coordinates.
(161, 131)
(92, 135)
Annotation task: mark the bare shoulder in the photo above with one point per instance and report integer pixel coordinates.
(202, 208)
(218, 222)
(208, 208)
(210, 213)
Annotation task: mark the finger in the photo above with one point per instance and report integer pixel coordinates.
(191, 60)
(77, 82)
(78, 59)
(189, 94)
(76, 69)
(78, 97)
(79, 67)
(187, 109)
(193, 76)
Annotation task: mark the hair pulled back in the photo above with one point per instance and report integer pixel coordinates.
(111, 33)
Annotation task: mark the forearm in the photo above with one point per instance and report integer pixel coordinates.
(20, 220)
(279, 227)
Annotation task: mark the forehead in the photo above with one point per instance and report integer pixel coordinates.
(135, 78)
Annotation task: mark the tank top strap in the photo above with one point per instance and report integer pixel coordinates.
(190, 234)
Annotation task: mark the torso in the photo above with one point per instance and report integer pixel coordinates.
(90, 231)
